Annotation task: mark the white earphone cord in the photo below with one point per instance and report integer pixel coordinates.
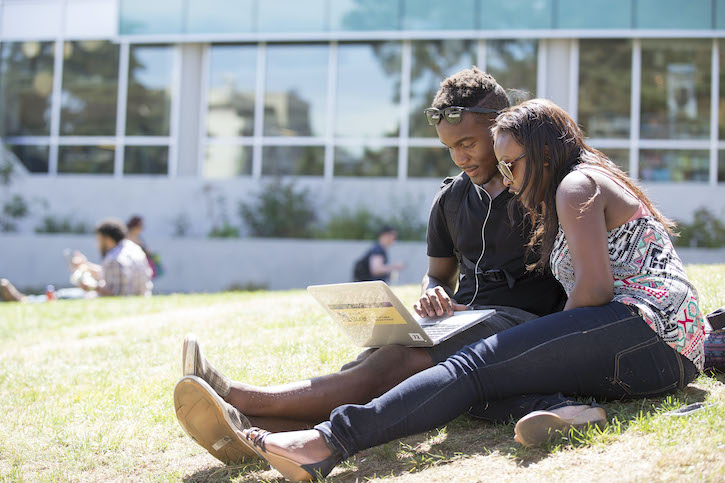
(483, 239)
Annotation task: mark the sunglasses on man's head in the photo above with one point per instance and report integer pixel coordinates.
(453, 113)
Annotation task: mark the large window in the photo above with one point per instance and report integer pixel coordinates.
(432, 162)
(26, 82)
(675, 99)
(293, 160)
(671, 165)
(85, 159)
(227, 161)
(676, 89)
(605, 85)
(232, 74)
(295, 96)
(146, 160)
(620, 157)
(148, 111)
(90, 87)
(432, 61)
(34, 158)
(344, 108)
(513, 64)
(368, 93)
(366, 161)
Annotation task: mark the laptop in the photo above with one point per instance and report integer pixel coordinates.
(373, 316)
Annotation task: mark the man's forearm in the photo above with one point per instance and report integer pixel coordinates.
(432, 282)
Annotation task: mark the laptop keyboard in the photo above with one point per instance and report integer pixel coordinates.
(439, 330)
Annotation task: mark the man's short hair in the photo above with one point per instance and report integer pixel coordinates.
(386, 229)
(112, 228)
(471, 88)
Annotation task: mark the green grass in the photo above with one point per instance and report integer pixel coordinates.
(87, 386)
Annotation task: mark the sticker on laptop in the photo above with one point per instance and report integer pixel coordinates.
(416, 336)
(368, 314)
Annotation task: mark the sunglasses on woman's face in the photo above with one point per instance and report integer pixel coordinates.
(453, 113)
(505, 168)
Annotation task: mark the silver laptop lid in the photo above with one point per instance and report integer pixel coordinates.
(370, 313)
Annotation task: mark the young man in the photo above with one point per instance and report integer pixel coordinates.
(374, 264)
(124, 270)
(469, 232)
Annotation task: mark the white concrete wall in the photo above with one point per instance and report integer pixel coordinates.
(205, 265)
(161, 200)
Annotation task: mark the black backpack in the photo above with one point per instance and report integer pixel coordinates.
(361, 269)
(452, 203)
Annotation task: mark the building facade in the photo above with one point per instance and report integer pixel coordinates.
(178, 109)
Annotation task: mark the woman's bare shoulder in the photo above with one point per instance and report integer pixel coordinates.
(577, 188)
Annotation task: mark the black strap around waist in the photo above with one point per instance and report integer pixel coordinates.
(496, 275)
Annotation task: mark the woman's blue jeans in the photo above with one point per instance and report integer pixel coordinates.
(606, 352)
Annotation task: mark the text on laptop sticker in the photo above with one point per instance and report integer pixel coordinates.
(382, 313)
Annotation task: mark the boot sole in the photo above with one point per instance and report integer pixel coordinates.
(202, 414)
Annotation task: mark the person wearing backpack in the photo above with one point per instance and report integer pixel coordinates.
(374, 264)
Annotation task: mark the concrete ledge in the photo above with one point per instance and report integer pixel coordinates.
(211, 265)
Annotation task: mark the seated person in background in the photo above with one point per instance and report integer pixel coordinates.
(124, 270)
(374, 264)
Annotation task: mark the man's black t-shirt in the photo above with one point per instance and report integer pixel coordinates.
(503, 243)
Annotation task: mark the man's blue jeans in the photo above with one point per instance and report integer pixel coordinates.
(606, 352)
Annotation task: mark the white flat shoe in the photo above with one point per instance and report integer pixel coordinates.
(539, 426)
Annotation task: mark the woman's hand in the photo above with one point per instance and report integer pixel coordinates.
(436, 302)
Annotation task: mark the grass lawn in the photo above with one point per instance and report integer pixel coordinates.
(86, 392)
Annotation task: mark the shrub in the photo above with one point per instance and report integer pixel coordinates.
(224, 231)
(706, 231)
(281, 211)
(407, 223)
(12, 210)
(361, 224)
(53, 224)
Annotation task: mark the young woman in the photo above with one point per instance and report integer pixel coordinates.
(632, 326)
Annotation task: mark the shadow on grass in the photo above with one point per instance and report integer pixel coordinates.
(240, 472)
(468, 437)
